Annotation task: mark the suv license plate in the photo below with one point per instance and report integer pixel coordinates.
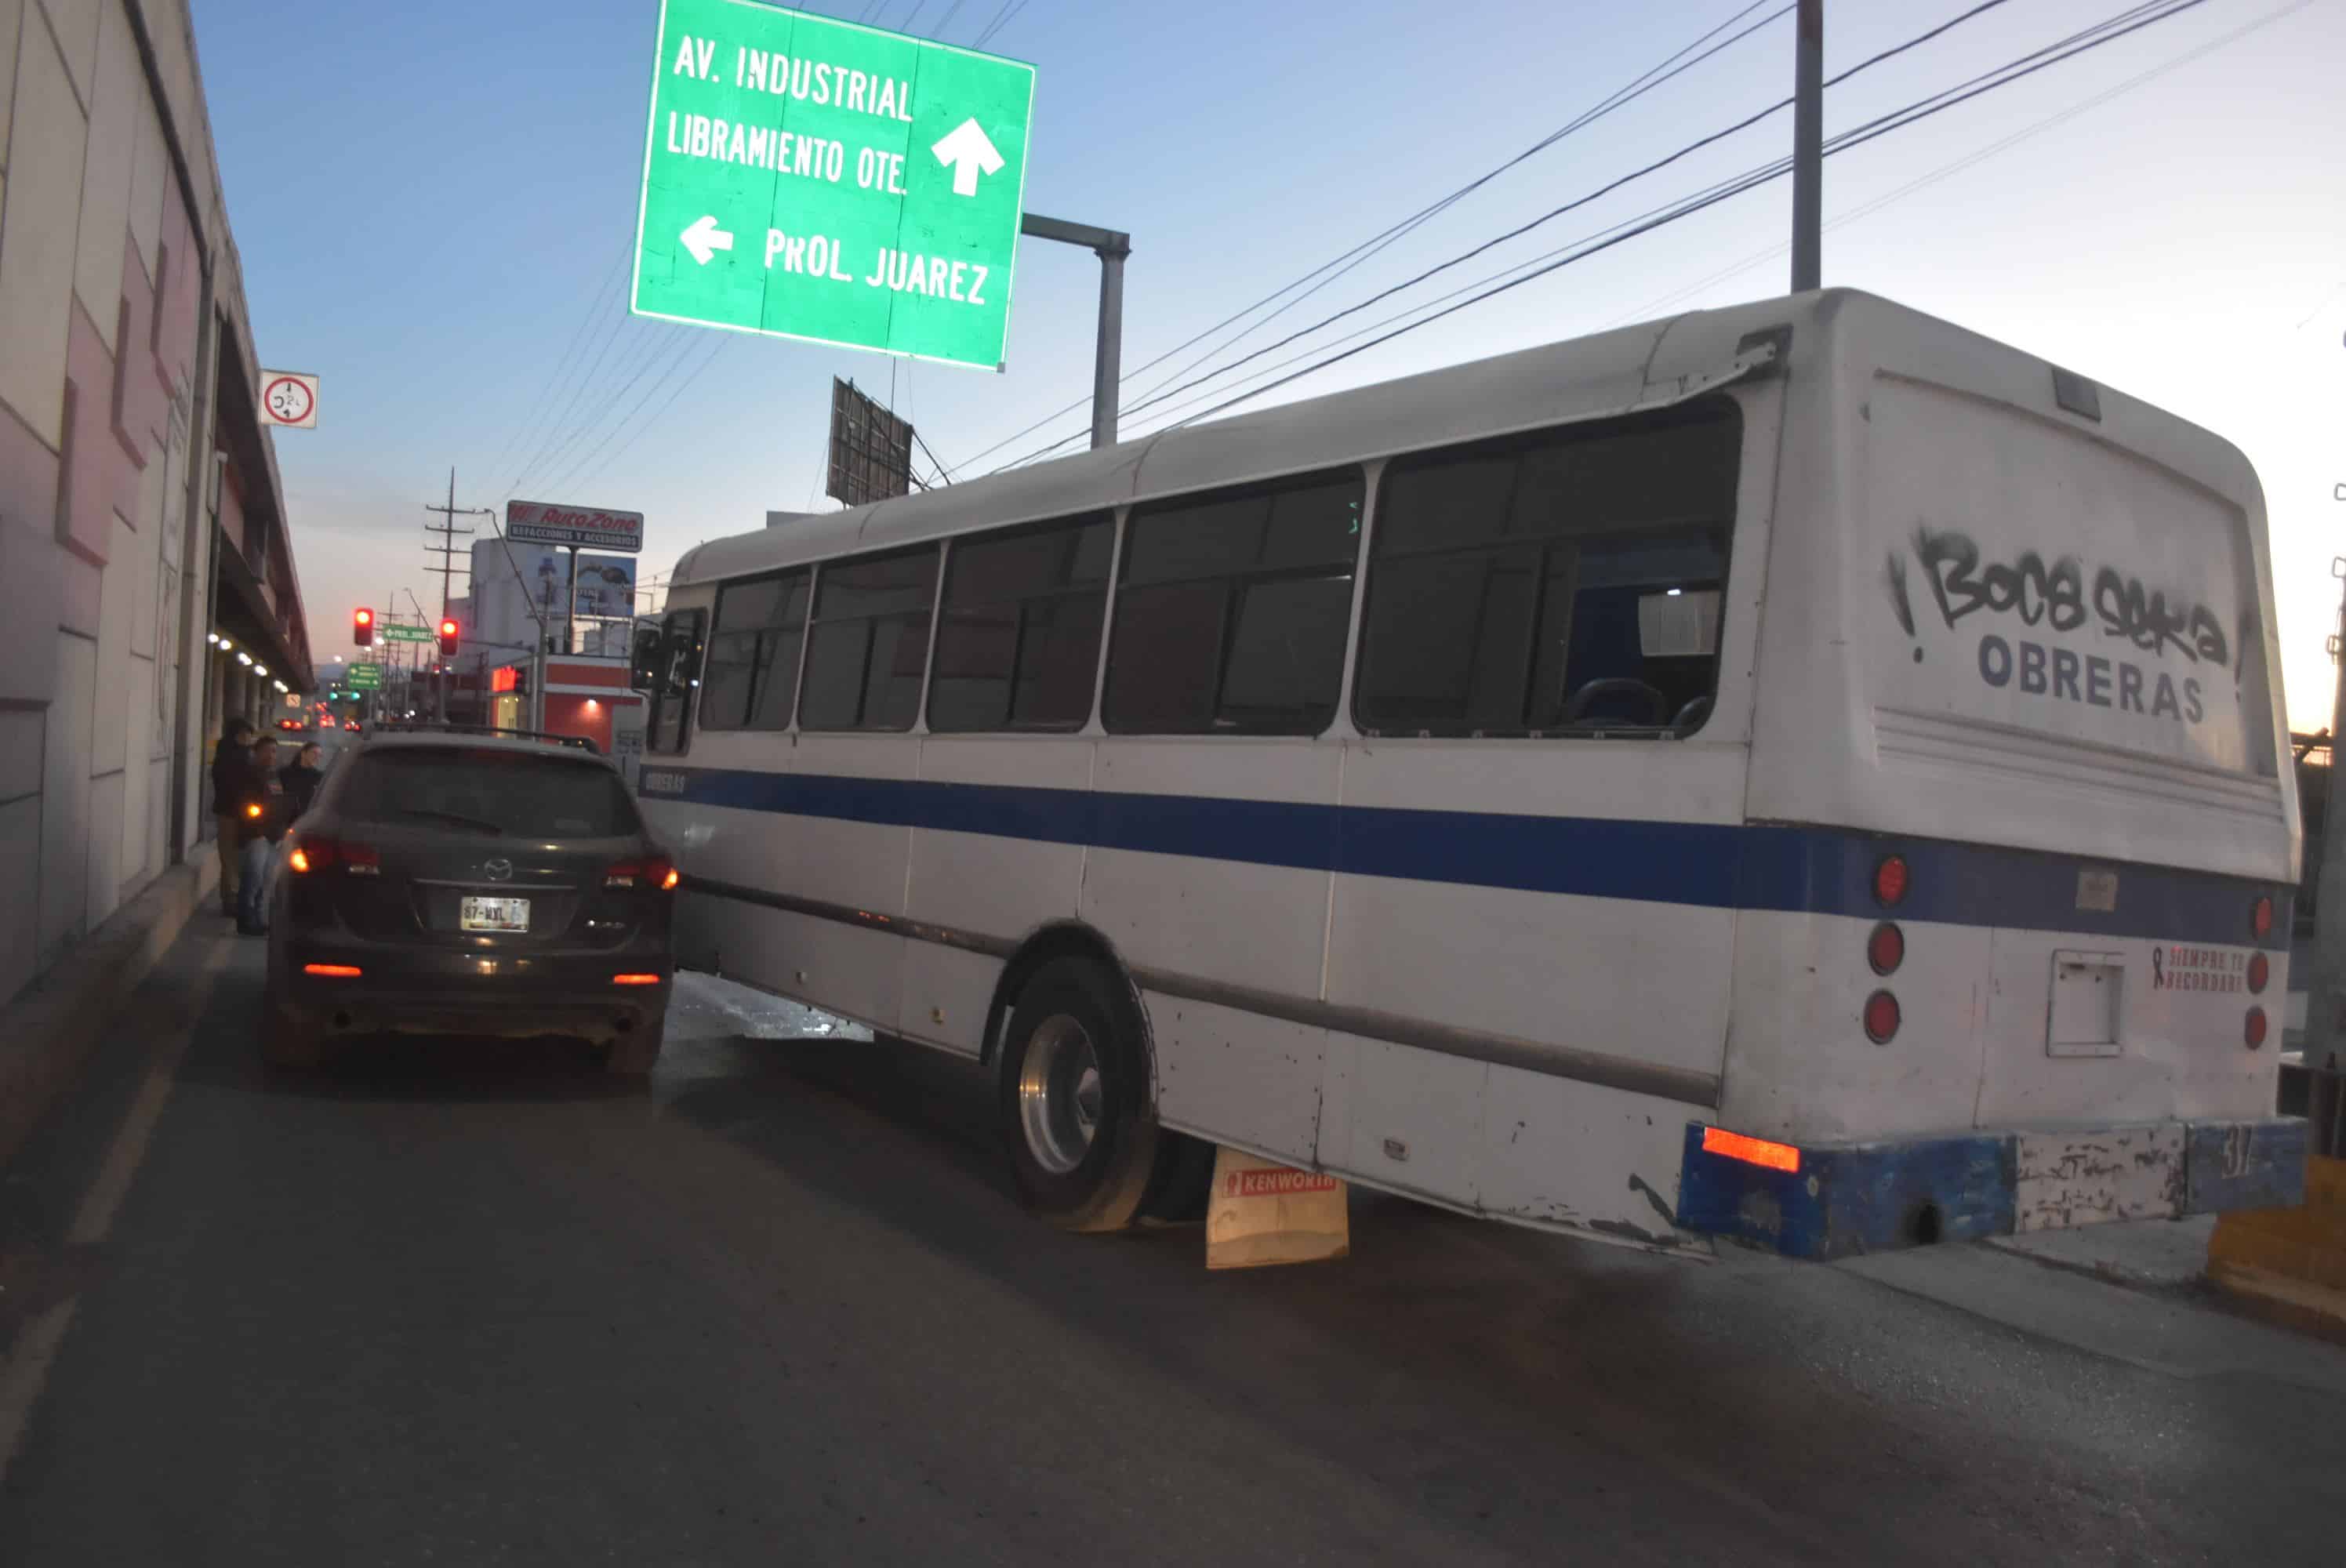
(494, 914)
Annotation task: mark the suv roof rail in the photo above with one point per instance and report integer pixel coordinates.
(437, 727)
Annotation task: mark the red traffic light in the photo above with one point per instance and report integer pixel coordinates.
(362, 627)
(448, 636)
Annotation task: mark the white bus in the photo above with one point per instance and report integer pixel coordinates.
(1803, 772)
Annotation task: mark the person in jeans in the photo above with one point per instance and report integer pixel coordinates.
(231, 763)
(261, 822)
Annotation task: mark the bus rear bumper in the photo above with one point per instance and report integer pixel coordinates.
(1836, 1200)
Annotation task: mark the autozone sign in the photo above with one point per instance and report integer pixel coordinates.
(590, 527)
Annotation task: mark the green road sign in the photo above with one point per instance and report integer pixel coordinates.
(406, 634)
(805, 177)
(366, 678)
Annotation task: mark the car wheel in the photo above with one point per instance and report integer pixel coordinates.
(1074, 1099)
(631, 1055)
(286, 1042)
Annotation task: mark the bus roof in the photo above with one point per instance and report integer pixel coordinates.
(1655, 362)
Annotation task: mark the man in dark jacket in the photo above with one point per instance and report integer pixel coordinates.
(261, 822)
(302, 776)
(231, 762)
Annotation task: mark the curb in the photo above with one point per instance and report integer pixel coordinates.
(49, 1030)
(2289, 1263)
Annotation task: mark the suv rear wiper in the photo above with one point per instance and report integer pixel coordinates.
(457, 817)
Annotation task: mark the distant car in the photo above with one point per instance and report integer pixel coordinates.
(292, 724)
(351, 725)
(455, 881)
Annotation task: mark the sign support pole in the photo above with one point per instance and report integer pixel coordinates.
(1808, 147)
(1111, 245)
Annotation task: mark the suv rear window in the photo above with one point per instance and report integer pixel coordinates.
(487, 791)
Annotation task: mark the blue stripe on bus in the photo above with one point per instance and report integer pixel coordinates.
(1758, 866)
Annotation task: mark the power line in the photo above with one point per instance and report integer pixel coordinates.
(1957, 165)
(1009, 10)
(674, 351)
(1377, 241)
(1636, 89)
(1921, 109)
(517, 431)
(2107, 31)
(554, 429)
(654, 344)
(2098, 33)
(635, 430)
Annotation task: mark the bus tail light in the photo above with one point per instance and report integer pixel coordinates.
(2259, 973)
(2261, 917)
(2252, 1032)
(1751, 1151)
(1885, 950)
(1890, 881)
(1882, 1017)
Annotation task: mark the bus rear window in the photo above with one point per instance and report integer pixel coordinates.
(1563, 583)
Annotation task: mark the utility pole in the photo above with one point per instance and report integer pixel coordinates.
(446, 550)
(1111, 245)
(1808, 147)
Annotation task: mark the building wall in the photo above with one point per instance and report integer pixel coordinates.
(112, 251)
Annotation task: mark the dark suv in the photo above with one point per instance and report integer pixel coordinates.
(471, 883)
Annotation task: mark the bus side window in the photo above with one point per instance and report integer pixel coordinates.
(1230, 615)
(1018, 643)
(1566, 582)
(671, 696)
(869, 642)
(753, 653)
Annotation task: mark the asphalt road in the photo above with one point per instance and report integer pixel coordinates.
(465, 1304)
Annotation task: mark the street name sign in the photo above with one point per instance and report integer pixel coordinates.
(406, 634)
(366, 678)
(807, 177)
(595, 527)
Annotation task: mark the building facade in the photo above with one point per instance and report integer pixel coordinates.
(144, 540)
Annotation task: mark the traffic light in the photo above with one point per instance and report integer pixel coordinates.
(448, 639)
(362, 627)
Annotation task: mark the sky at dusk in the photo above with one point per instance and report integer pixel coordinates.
(433, 202)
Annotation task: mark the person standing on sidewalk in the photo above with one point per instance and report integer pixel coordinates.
(261, 819)
(302, 776)
(231, 763)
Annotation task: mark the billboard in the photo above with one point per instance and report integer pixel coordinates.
(554, 522)
(606, 587)
(871, 449)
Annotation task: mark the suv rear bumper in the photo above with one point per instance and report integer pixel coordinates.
(1839, 1199)
(412, 991)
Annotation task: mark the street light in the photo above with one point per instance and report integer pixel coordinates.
(243, 659)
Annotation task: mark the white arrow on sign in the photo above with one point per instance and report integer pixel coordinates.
(971, 154)
(705, 239)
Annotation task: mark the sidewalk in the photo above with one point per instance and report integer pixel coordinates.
(2145, 1253)
(48, 1032)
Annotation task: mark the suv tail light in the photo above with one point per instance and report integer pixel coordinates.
(317, 852)
(658, 872)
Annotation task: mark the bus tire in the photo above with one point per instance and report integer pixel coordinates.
(1074, 1099)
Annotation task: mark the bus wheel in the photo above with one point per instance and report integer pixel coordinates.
(1075, 1099)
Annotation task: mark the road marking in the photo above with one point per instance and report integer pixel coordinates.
(26, 1370)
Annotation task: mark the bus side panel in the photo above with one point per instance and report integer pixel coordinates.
(990, 885)
(1247, 919)
(858, 865)
(1502, 1142)
(1237, 1077)
(1633, 977)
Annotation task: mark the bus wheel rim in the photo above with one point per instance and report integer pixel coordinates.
(1059, 1094)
